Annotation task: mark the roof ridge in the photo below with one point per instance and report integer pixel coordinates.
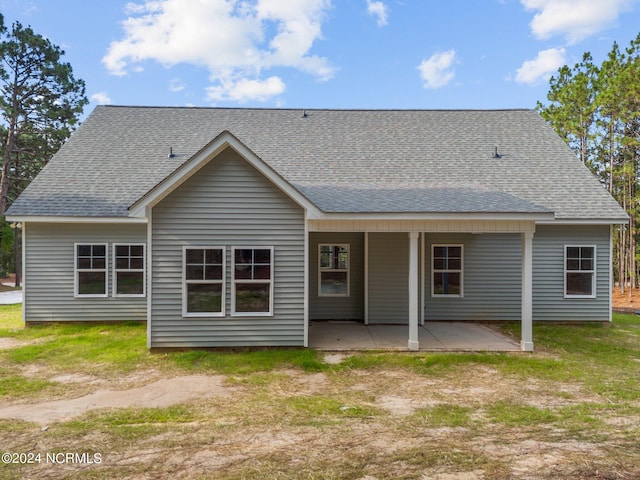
(297, 109)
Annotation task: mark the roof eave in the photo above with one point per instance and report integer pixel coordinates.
(476, 216)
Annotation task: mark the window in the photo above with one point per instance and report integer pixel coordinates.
(579, 271)
(334, 270)
(128, 270)
(447, 270)
(252, 281)
(203, 292)
(91, 270)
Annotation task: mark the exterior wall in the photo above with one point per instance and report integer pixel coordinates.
(492, 269)
(49, 273)
(388, 278)
(338, 308)
(549, 303)
(227, 203)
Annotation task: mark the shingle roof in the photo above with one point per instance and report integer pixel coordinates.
(341, 160)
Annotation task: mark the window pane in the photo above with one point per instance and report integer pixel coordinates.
(455, 264)
(262, 256)
(195, 272)
(137, 251)
(252, 297)
(573, 264)
(579, 284)
(122, 263)
(586, 264)
(262, 272)
(130, 283)
(92, 283)
(137, 263)
(214, 256)
(122, 250)
(243, 256)
(446, 283)
(195, 255)
(586, 252)
(213, 272)
(573, 252)
(438, 264)
(325, 258)
(454, 252)
(84, 250)
(84, 263)
(99, 250)
(334, 283)
(243, 272)
(342, 258)
(98, 263)
(204, 298)
(439, 252)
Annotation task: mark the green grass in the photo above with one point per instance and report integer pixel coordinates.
(581, 384)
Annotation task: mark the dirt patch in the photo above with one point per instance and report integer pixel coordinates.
(7, 343)
(161, 393)
(249, 427)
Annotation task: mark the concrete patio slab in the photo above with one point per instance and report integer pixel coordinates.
(433, 336)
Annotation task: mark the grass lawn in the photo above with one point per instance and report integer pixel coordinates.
(569, 410)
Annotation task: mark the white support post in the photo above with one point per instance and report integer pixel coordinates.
(526, 342)
(413, 291)
(366, 278)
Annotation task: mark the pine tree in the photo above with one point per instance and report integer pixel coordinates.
(40, 104)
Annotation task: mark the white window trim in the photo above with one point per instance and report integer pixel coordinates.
(233, 282)
(434, 271)
(114, 279)
(320, 270)
(592, 272)
(185, 282)
(77, 270)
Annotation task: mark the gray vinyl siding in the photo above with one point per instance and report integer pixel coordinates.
(49, 273)
(388, 278)
(549, 303)
(227, 203)
(337, 308)
(492, 278)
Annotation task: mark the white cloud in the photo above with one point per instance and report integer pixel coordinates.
(101, 98)
(542, 67)
(573, 19)
(245, 89)
(176, 85)
(378, 9)
(436, 71)
(235, 40)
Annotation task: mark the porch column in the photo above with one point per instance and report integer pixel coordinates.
(526, 342)
(413, 291)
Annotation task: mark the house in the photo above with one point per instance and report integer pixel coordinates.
(237, 227)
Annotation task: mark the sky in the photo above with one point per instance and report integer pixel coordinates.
(351, 54)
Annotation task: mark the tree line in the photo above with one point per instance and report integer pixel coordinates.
(596, 110)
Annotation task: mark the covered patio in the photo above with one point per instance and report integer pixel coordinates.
(432, 336)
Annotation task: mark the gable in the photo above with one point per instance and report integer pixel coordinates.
(223, 146)
(227, 186)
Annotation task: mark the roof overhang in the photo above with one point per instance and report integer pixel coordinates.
(202, 158)
(455, 216)
(586, 221)
(71, 219)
